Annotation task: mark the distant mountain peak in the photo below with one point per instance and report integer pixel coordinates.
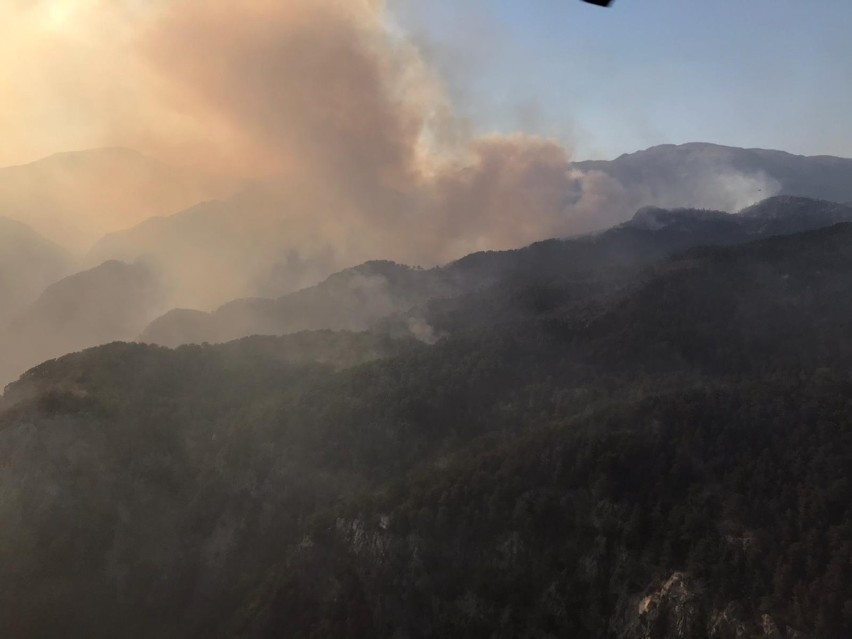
(654, 218)
(86, 156)
(786, 205)
(705, 175)
(379, 267)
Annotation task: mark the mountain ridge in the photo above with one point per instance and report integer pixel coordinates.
(636, 473)
(359, 297)
(28, 263)
(687, 174)
(74, 197)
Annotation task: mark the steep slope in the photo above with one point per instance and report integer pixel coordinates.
(777, 215)
(261, 242)
(377, 292)
(728, 178)
(353, 299)
(28, 263)
(74, 198)
(738, 309)
(251, 243)
(675, 462)
(110, 302)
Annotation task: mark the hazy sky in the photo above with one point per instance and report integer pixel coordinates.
(412, 130)
(452, 123)
(328, 103)
(768, 73)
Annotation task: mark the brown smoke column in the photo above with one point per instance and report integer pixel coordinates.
(324, 99)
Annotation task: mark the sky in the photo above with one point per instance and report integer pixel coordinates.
(409, 129)
(753, 73)
(346, 122)
(324, 133)
(766, 73)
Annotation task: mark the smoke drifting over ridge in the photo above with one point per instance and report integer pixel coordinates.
(324, 99)
(358, 132)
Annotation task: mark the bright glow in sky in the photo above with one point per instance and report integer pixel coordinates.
(57, 14)
(767, 73)
(770, 73)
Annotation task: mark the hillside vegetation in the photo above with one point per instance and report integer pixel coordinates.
(667, 458)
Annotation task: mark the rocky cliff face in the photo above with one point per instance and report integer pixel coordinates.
(678, 608)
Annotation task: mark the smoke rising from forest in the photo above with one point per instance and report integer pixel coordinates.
(296, 137)
(325, 99)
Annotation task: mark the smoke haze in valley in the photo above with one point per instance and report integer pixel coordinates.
(253, 149)
(326, 102)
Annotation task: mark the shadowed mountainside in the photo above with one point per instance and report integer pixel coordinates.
(247, 244)
(28, 263)
(73, 198)
(709, 175)
(262, 242)
(359, 298)
(109, 302)
(673, 462)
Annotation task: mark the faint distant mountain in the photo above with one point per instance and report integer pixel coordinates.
(779, 215)
(577, 276)
(359, 297)
(28, 263)
(113, 301)
(675, 467)
(352, 299)
(704, 175)
(74, 198)
(262, 242)
(246, 244)
(784, 215)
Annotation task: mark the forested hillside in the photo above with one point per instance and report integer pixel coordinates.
(373, 292)
(28, 263)
(316, 322)
(666, 455)
(688, 174)
(111, 301)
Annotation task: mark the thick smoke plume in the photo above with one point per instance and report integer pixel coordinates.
(344, 114)
(325, 100)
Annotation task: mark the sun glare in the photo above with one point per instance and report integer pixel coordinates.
(58, 13)
(65, 15)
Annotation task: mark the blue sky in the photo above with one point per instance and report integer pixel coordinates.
(766, 73)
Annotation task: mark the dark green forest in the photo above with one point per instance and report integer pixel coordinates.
(624, 450)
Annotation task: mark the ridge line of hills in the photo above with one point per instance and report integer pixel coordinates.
(116, 300)
(661, 455)
(359, 297)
